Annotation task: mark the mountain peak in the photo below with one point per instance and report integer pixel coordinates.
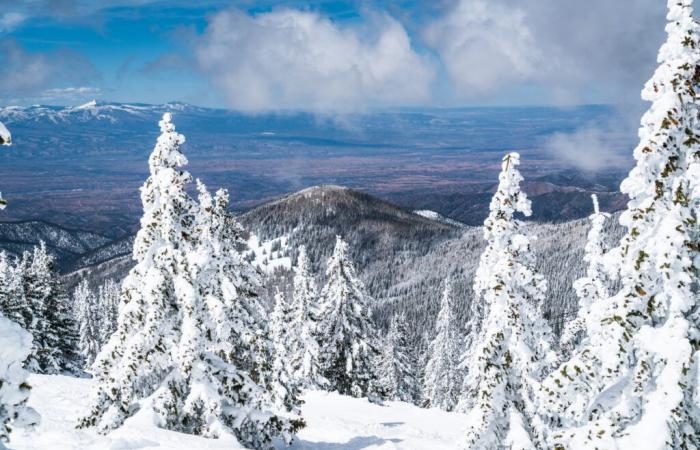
(89, 105)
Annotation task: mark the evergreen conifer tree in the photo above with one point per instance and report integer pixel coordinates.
(53, 326)
(302, 343)
(108, 299)
(443, 378)
(512, 350)
(13, 303)
(397, 370)
(592, 287)
(633, 382)
(189, 330)
(347, 334)
(88, 314)
(139, 355)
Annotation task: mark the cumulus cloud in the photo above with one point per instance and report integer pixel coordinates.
(24, 74)
(570, 50)
(10, 20)
(288, 59)
(485, 45)
(71, 93)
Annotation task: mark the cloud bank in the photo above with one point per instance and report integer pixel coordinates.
(24, 74)
(570, 51)
(288, 59)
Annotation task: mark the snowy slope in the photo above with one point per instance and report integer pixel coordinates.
(269, 255)
(334, 423)
(432, 215)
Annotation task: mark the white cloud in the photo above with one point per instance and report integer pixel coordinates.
(10, 20)
(289, 59)
(570, 51)
(590, 148)
(26, 74)
(484, 45)
(72, 93)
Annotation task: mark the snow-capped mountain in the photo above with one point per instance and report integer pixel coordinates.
(432, 215)
(91, 111)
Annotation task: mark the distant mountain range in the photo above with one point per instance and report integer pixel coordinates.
(81, 166)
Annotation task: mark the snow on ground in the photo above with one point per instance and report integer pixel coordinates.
(266, 259)
(334, 422)
(432, 215)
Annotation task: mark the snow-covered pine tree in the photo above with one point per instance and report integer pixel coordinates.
(189, 329)
(15, 345)
(88, 314)
(139, 355)
(208, 393)
(443, 378)
(592, 287)
(512, 352)
(53, 327)
(13, 303)
(285, 389)
(279, 331)
(633, 382)
(347, 334)
(304, 350)
(108, 301)
(397, 372)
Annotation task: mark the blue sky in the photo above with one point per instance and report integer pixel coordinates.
(328, 55)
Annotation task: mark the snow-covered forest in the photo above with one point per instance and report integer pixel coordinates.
(199, 346)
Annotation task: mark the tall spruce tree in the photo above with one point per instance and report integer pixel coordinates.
(397, 371)
(208, 393)
(304, 350)
(347, 333)
(13, 303)
(512, 351)
(139, 355)
(53, 326)
(188, 331)
(88, 313)
(591, 288)
(633, 382)
(108, 300)
(443, 377)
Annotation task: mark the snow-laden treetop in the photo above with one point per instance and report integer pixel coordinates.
(167, 151)
(5, 136)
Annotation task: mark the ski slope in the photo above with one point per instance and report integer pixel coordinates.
(334, 422)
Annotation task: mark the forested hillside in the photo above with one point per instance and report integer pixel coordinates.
(403, 258)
